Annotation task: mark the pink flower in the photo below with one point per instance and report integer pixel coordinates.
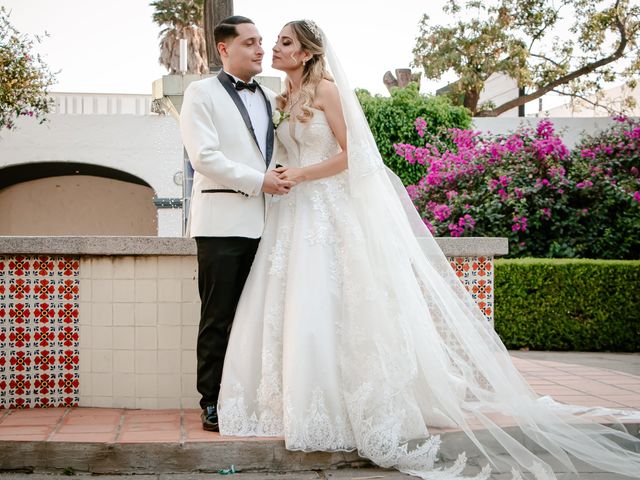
(456, 230)
(636, 196)
(441, 212)
(545, 129)
(467, 221)
(413, 191)
(519, 223)
(429, 225)
(557, 172)
(420, 125)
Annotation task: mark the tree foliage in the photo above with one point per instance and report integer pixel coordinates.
(181, 19)
(570, 47)
(25, 78)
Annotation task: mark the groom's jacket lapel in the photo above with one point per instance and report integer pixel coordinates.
(228, 85)
(270, 127)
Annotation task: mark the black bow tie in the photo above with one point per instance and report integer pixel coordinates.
(240, 85)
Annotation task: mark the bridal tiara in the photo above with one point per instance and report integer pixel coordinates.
(313, 28)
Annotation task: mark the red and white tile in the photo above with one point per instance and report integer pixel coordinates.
(476, 274)
(39, 331)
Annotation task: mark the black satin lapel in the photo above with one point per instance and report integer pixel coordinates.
(270, 128)
(226, 82)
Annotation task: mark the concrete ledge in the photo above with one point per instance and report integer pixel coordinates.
(94, 245)
(247, 455)
(157, 458)
(473, 246)
(97, 245)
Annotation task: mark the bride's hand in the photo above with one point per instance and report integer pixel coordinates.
(295, 175)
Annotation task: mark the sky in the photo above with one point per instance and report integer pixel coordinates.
(111, 46)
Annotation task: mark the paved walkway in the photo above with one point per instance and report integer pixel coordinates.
(622, 362)
(568, 377)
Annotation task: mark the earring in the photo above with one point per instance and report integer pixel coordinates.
(304, 62)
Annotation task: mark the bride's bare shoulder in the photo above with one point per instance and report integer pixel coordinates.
(326, 94)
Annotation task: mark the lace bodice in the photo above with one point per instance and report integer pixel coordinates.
(309, 142)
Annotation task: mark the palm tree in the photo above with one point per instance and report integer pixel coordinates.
(181, 19)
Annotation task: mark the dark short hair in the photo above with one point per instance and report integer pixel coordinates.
(226, 29)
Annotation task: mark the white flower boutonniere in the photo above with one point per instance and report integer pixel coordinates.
(279, 117)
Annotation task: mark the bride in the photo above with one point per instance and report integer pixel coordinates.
(351, 335)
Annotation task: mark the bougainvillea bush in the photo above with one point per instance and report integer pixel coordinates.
(606, 176)
(528, 186)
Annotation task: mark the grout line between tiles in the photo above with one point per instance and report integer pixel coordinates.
(118, 434)
(58, 424)
(183, 430)
(5, 414)
(618, 405)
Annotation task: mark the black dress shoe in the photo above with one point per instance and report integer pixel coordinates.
(210, 419)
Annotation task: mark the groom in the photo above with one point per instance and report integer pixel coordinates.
(228, 133)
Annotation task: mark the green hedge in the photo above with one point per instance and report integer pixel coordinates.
(568, 304)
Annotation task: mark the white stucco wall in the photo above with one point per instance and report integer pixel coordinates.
(147, 146)
(570, 129)
(613, 98)
(500, 88)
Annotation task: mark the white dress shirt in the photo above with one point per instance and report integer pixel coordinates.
(255, 104)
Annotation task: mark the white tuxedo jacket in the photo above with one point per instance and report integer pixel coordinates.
(229, 168)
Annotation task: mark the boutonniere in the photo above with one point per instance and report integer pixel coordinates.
(279, 117)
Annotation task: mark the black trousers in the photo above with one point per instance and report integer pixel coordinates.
(223, 267)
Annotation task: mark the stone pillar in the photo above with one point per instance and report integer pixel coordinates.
(214, 11)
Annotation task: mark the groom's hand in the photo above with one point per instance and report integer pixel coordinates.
(274, 185)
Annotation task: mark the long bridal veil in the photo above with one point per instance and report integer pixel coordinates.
(417, 353)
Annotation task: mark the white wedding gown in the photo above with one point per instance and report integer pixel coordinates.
(282, 374)
(349, 336)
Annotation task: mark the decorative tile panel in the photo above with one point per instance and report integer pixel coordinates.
(476, 274)
(39, 337)
(139, 325)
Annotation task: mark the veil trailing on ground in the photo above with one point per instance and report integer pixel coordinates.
(431, 359)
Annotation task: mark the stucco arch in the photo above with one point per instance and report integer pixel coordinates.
(71, 198)
(143, 147)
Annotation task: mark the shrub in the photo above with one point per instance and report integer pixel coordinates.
(528, 187)
(391, 119)
(606, 175)
(568, 304)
